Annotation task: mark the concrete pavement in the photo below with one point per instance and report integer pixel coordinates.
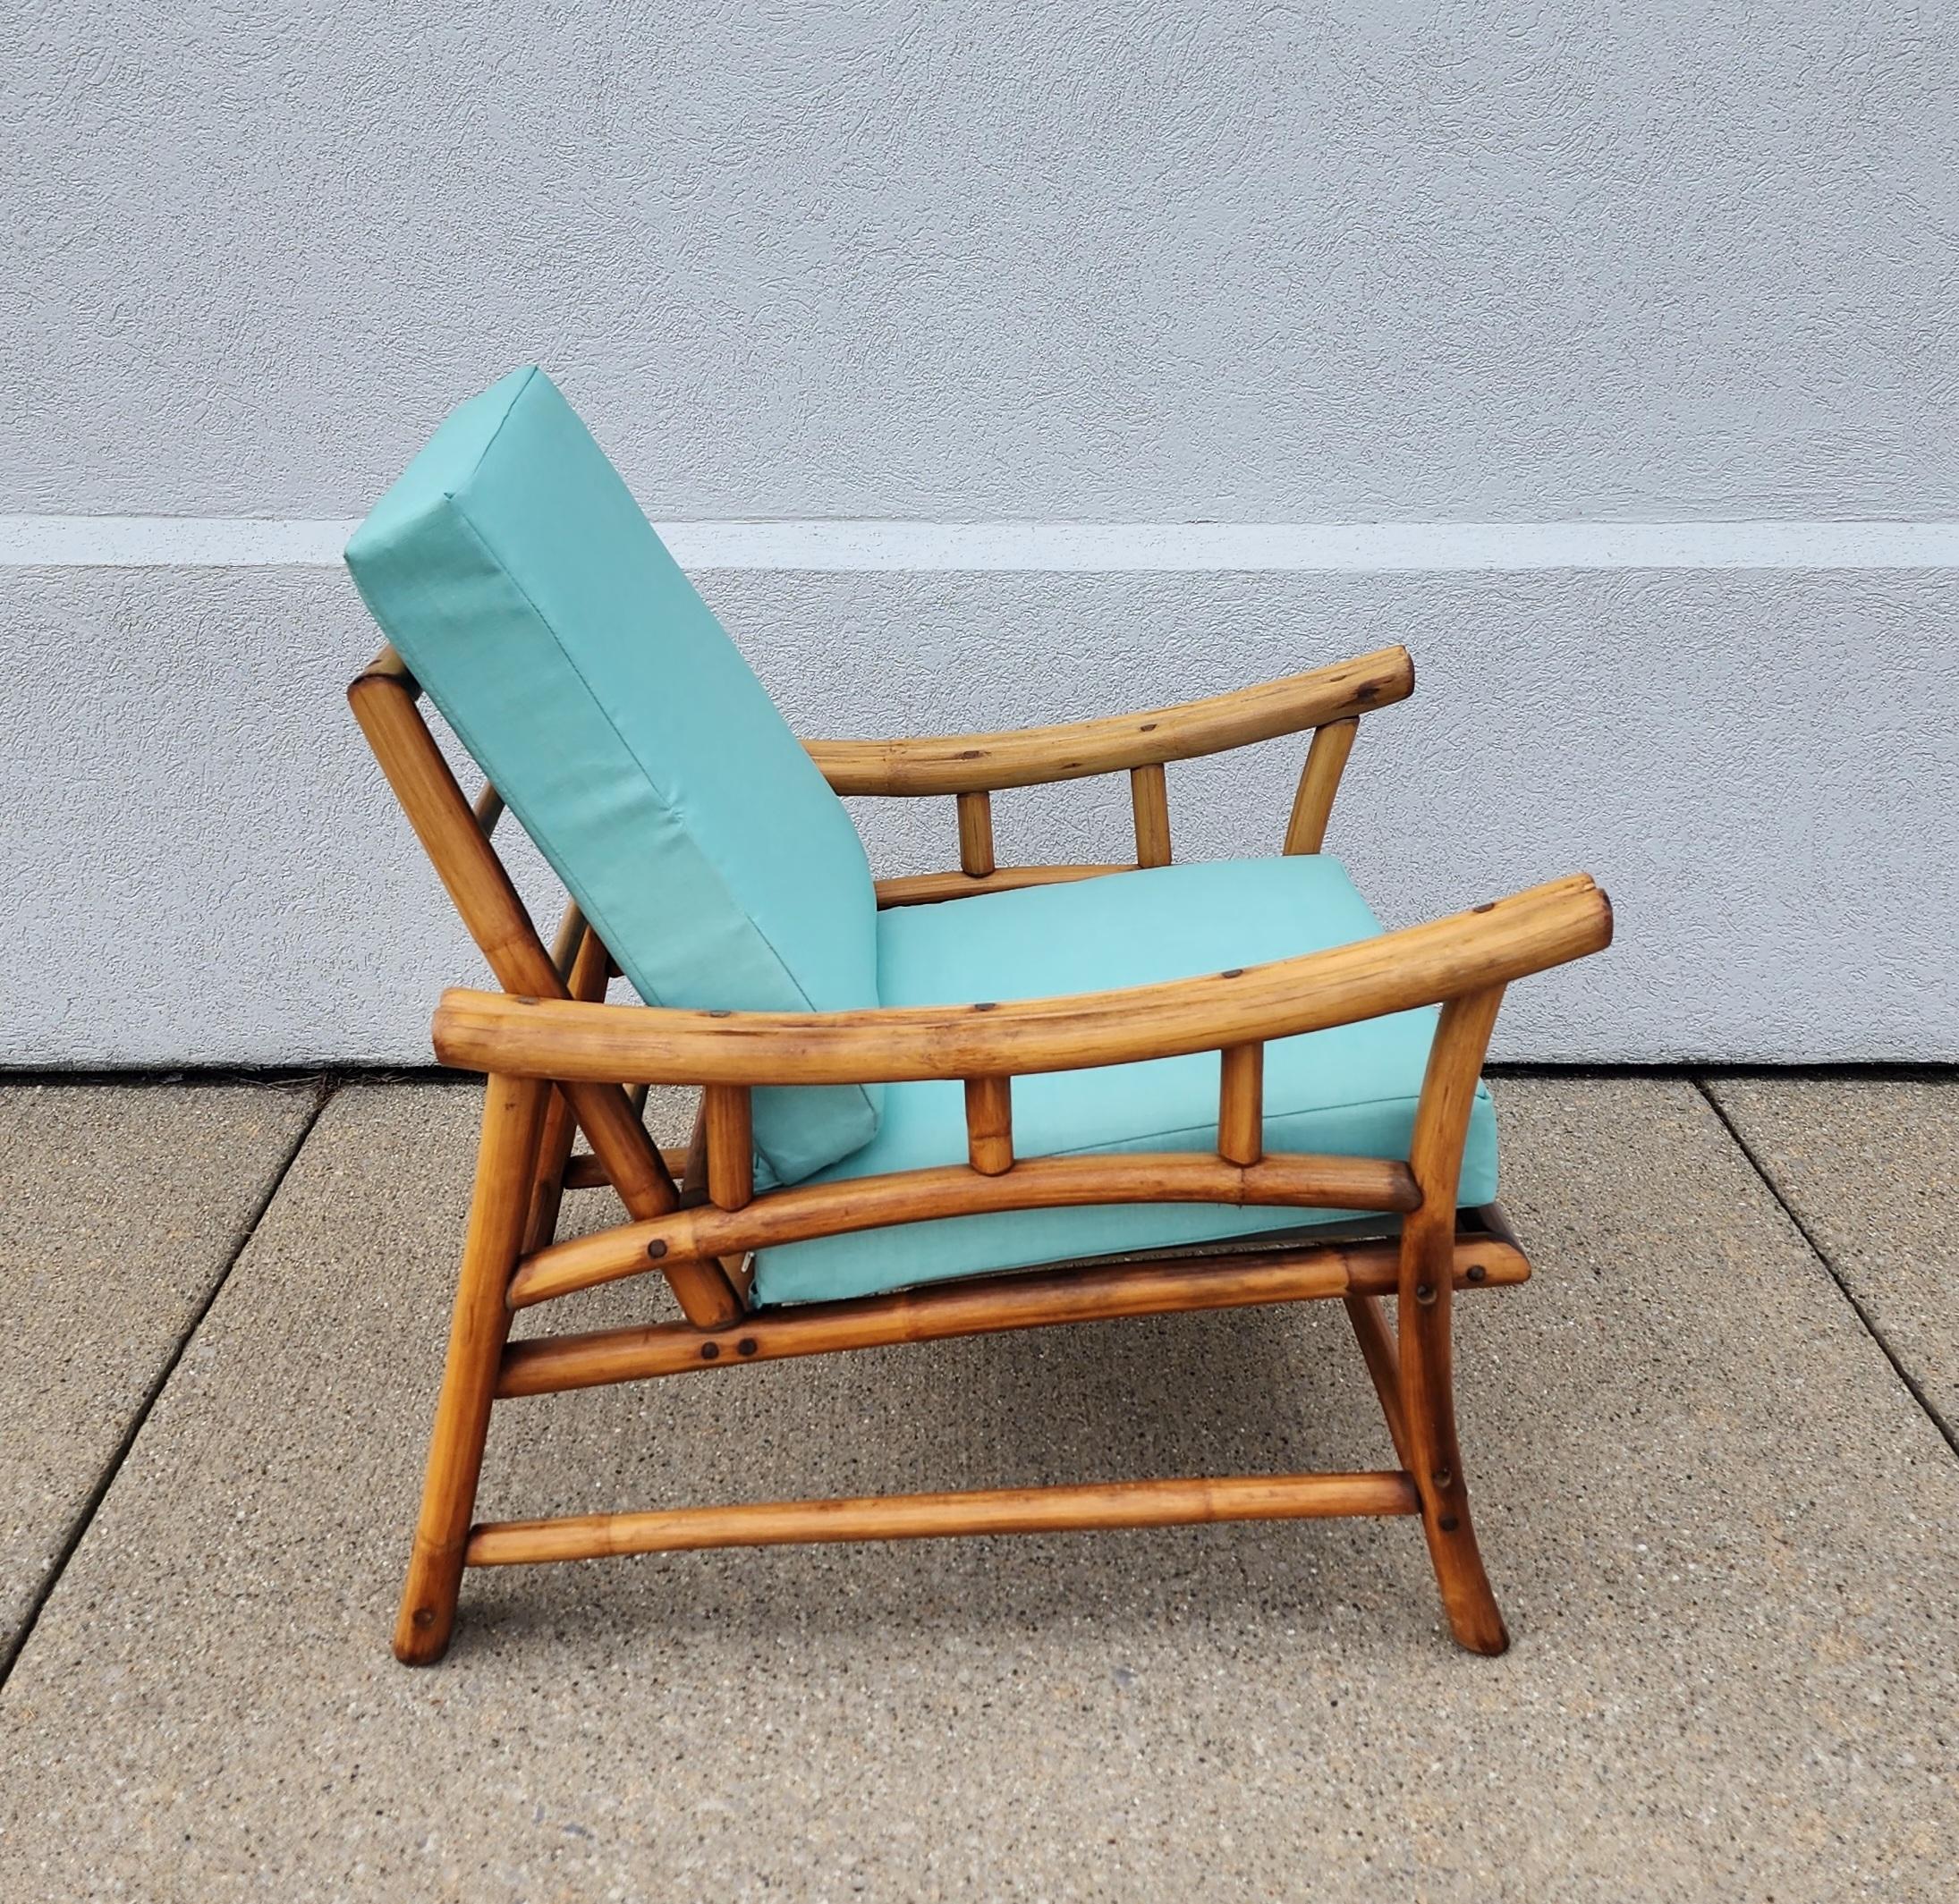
(1723, 1530)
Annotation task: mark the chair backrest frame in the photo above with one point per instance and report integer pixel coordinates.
(456, 836)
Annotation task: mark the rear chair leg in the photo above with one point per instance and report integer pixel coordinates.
(499, 1212)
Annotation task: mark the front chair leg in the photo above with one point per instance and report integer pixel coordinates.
(499, 1213)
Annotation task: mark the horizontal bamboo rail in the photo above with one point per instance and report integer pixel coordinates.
(925, 1517)
(586, 1173)
(926, 889)
(806, 1210)
(1495, 943)
(1029, 757)
(989, 1305)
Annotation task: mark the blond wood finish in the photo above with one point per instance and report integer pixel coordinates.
(580, 957)
(488, 809)
(1319, 783)
(384, 704)
(981, 763)
(513, 1111)
(1378, 1351)
(1421, 965)
(1149, 804)
(988, 1306)
(989, 1125)
(1428, 1406)
(1241, 1104)
(806, 1210)
(556, 1056)
(975, 835)
(586, 1173)
(1106, 1504)
(727, 1129)
(928, 889)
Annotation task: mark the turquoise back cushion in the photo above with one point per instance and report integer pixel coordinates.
(513, 571)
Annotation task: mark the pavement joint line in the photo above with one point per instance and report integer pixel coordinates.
(84, 1518)
(1912, 1385)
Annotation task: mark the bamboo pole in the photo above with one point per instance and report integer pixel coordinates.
(383, 700)
(988, 1306)
(972, 763)
(513, 1111)
(1425, 1286)
(1241, 1104)
(1106, 1504)
(989, 1124)
(1319, 783)
(1498, 940)
(1149, 804)
(975, 835)
(928, 889)
(839, 1208)
(728, 1133)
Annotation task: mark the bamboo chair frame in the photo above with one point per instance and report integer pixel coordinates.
(558, 1060)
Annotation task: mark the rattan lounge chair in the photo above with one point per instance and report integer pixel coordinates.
(989, 1099)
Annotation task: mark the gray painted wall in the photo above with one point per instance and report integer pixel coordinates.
(1346, 263)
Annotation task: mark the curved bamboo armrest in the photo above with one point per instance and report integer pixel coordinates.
(1033, 755)
(1488, 946)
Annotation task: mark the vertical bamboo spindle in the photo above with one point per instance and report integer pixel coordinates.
(989, 1124)
(727, 1123)
(975, 834)
(1241, 1104)
(1149, 797)
(1318, 782)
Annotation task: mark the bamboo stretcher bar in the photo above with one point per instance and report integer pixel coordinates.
(926, 889)
(804, 1210)
(926, 1516)
(986, 1305)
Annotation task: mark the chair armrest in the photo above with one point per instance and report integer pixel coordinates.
(1494, 943)
(1033, 755)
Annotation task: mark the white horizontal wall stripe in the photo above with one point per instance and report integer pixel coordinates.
(1049, 547)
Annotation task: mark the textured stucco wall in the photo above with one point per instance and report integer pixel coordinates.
(230, 880)
(1142, 263)
(1102, 260)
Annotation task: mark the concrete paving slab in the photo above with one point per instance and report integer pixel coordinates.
(123, 1203)
(1724, 1534)
(1871, 1167)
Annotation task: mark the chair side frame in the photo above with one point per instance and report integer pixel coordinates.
(558, 1061)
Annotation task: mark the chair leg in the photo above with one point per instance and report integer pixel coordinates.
(499, 1211)
(1436, 1460)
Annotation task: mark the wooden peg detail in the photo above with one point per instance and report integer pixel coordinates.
(1318, 782)
(989, 1124)
(1241, 1104)
(1149, 797)
(727, 1124)
(976, 835)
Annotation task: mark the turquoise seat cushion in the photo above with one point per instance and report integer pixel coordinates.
(1350, 1091)
(514, 572)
